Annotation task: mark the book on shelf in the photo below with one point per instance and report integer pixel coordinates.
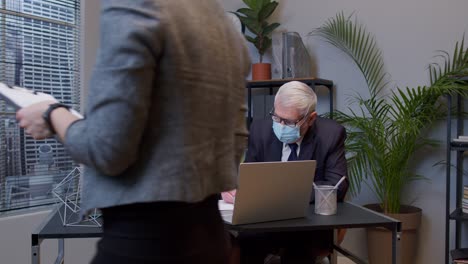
(465, 205)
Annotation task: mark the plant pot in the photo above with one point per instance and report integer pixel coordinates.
(379, 240)
(261, 71)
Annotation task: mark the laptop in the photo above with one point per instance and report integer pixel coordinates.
(270, 191)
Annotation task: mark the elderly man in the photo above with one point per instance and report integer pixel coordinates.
(295, 132)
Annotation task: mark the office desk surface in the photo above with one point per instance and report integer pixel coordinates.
(348, 216)
(53, 228)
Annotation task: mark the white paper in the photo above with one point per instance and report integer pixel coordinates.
(223, 206)
(20, 97)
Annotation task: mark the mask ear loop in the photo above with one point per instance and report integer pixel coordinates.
(306, 116)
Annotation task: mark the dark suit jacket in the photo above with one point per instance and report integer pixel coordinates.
(323, 142)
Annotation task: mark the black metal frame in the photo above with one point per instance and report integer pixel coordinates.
(459, 147)
(52, 228)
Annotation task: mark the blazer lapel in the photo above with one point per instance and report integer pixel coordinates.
(308, 145)
(276, 149)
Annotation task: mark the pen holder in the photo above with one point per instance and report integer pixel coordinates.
(325, 199)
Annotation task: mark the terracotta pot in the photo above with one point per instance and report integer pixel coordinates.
(379, 240)
(261, 71)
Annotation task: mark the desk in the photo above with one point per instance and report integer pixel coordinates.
(52, 228)
(348, 216)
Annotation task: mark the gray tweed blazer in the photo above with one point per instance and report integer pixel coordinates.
(165, 111)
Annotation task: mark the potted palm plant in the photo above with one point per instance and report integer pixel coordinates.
(254, 17)
(386, 126)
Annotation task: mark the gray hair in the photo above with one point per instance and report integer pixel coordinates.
(297, 95)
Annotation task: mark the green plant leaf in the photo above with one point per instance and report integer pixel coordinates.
(251, 24)
(268, 29)
(261, 4)
(266, 44)
(267, 10)
(248, 13)
(250, 39)
(250, 3)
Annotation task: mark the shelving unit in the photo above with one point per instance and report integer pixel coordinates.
(456, 215)
(276, 83)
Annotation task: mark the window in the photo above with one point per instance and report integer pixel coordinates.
(30, 169)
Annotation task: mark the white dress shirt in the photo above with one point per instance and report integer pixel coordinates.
(287, 150)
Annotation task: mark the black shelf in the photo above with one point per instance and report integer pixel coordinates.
(459, 146)
(279, 82)
(460, 253)
(458, 215)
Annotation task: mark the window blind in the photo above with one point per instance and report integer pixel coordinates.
(39, 49)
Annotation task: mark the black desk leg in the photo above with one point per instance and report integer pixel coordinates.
(330, 94)
(61, 253)
(35, 250)
(396, 237)
(242, 256)
(249, 106)
(334, 254)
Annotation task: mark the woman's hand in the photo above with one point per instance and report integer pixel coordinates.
(30, 118)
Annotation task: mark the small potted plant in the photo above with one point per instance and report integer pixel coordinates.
(254, 17)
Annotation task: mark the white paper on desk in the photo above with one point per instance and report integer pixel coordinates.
(19, 97)
(223, 206)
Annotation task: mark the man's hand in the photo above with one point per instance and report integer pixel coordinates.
(30, 118)
(229, 196)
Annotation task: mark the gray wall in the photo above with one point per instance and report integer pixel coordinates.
(15, 240)
(89, 42)
(408, 32)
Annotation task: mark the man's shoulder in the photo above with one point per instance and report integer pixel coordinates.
(329, 123)
(328, 126)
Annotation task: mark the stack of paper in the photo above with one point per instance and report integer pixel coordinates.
(19, 97)
(223, 206)
(461, 139)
